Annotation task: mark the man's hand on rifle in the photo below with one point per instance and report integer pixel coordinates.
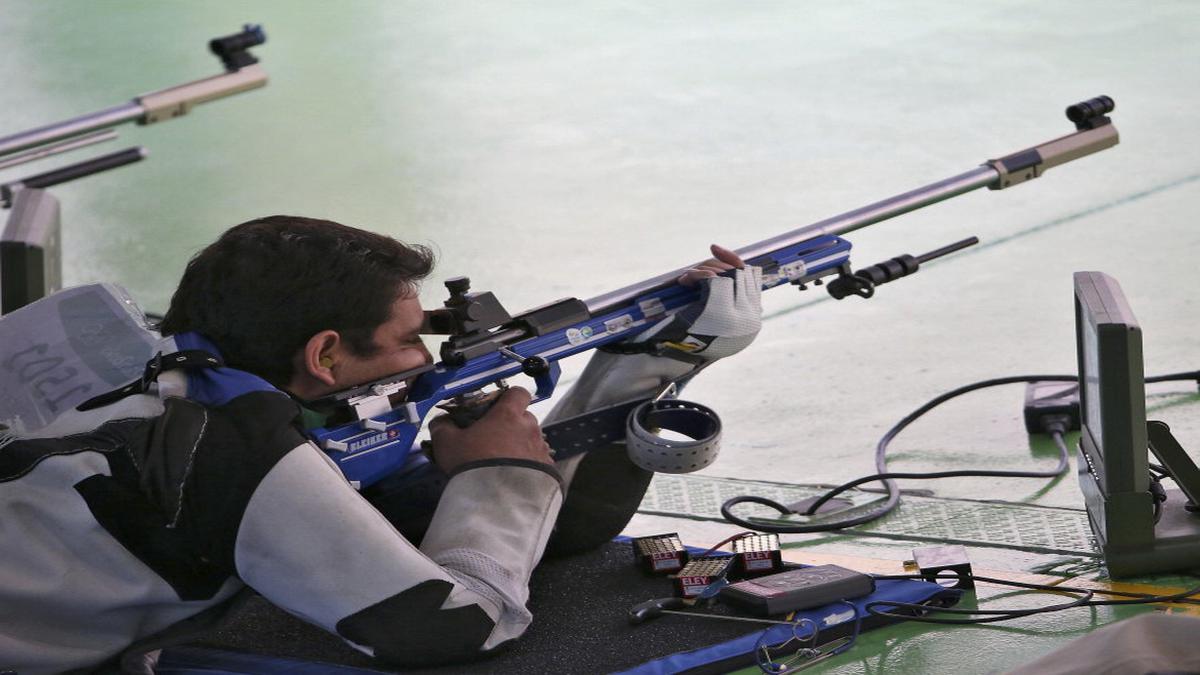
(506, 431)
(723, 260)
(725, 319)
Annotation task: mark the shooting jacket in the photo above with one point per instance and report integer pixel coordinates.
(123, 524)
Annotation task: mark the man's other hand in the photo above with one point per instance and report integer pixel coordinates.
(723, 259)
(726, 318)
(506, 431)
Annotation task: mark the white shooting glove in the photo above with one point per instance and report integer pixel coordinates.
(721, 323)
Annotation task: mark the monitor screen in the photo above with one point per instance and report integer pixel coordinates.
(1112, 388)
(1089, 380)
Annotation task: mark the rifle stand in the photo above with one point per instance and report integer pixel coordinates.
(1132, 543)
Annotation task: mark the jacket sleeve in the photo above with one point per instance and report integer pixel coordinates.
(310, 544)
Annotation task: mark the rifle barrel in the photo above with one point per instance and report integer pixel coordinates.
(57, 148)
(156, 106)
(851, 220)
(101, 119)
(1091, 135)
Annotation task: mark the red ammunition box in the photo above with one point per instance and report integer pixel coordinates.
(660, 553)
(699, 573)
(757, 555)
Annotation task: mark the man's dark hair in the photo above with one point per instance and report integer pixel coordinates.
(265, 287)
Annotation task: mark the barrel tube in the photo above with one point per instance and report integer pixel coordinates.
(57, 148)
(146, 109)
(840, 224)
(86, 168)
(76, 126)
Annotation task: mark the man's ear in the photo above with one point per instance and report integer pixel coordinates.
(320, 355)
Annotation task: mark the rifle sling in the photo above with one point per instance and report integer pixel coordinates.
(636, 421)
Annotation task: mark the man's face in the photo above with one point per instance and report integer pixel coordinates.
(399, 347)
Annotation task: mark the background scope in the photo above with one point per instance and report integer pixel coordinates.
(1094, 107)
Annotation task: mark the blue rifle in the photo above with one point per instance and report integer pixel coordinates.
(486, 345)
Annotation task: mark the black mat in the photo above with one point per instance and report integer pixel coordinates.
(579, 606)
(580, 624)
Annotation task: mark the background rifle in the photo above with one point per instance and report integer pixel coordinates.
(487, 345)
(30, 258)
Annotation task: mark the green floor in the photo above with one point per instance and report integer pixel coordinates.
(552, 149)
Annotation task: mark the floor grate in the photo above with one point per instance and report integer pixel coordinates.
(1003, 524)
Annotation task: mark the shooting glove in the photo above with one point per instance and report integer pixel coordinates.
(721, 323)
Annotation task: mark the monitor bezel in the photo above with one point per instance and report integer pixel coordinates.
(1116, 445)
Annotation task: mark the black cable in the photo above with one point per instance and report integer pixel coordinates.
(1159, 494)
(995, 615)
(1059, 469)
(883, 475)
(1085, 596)
(1175, 377)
